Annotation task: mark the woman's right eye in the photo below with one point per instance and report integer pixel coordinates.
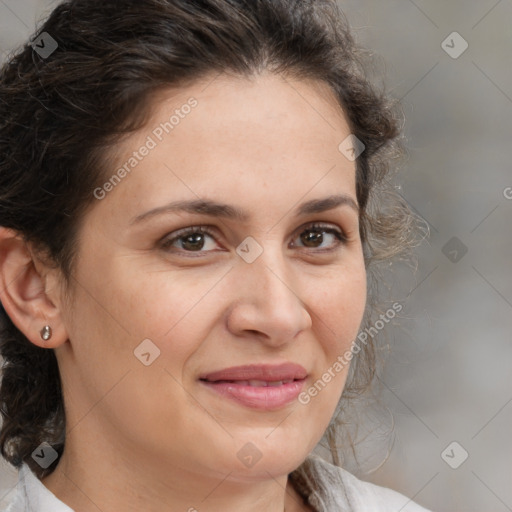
(190, 239)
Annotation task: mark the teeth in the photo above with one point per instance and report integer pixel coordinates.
(258, 383)
(276, 383)
(261, 383)
(266, 384)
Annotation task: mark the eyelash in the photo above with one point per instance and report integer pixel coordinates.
(168, 242)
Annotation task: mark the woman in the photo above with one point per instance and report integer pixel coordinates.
(193, 194)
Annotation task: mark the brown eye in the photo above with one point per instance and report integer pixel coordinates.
(190, 239)
(314, 236)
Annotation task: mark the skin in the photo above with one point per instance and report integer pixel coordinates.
(144, 437)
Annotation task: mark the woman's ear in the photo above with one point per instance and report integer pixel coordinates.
(29, 291)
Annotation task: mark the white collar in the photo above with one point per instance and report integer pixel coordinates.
(33, 496)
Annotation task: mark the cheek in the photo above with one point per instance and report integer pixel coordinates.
(340, 307)
(174, 309)
(339, 312)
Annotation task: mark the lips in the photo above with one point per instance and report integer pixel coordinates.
(263, 387)
(258, 374)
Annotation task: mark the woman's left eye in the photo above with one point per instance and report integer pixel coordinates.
(193, 239)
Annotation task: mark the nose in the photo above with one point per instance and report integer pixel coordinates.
(268, 300)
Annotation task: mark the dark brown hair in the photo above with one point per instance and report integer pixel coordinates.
(60, 115)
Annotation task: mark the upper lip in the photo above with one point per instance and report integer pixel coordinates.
(264, 372)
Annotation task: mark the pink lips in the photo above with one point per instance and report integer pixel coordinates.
(263, 387)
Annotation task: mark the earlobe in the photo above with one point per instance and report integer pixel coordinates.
(23, 293)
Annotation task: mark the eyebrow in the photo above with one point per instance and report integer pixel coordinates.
(215, 209)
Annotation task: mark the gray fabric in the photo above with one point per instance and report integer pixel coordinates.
(327, 488)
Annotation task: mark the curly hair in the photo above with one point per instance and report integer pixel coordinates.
(60, 114)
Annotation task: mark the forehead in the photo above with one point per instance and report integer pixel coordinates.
(238, 136)
(247, 111)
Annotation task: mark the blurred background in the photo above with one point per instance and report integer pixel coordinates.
(448, 377)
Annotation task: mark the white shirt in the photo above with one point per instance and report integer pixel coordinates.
(329, 489)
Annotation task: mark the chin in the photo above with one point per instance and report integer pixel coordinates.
(257, 461)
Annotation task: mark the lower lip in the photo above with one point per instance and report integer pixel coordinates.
(259, 397)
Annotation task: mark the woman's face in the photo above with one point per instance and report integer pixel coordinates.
(156, 309)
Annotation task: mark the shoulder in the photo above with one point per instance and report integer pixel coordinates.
(14, 501)
(331, 488)
(31, 494)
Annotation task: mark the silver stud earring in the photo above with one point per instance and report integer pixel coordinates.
(46, 332)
